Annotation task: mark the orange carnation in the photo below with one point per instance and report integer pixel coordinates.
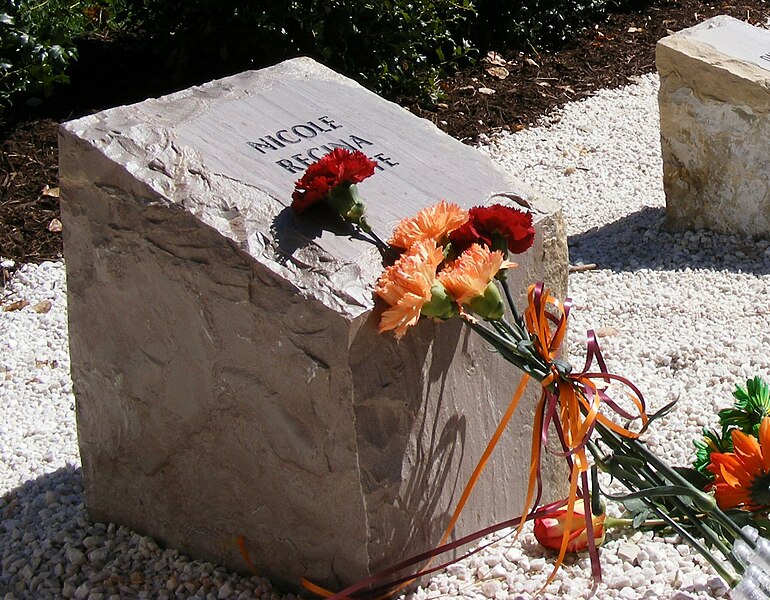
(408, 286)
(432, 223)
(469, 280)
(470, 274)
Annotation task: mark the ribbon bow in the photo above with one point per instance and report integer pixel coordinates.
(572, 402)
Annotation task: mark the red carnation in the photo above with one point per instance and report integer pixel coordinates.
(498, 227)
(338, 168)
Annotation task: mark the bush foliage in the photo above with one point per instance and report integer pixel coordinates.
(388, 45)
(37, 42)
(534, 23)
(394, 47)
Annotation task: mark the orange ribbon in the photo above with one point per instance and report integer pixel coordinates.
(501, 427)
(578, 399)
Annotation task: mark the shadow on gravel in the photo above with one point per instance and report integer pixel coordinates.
(41, 520)
(50, 549)
(640, 241)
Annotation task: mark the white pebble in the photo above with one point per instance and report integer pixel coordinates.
(537, 564)
(683, 310)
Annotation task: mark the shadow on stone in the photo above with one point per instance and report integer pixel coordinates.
(641, 241)
(291, 232)
(408, 448)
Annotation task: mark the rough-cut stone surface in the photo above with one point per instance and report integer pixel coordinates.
(715, 126)
(228, 373)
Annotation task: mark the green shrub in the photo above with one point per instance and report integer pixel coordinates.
(37, 42)
(394, 47)
(536, 23)
(391, 46)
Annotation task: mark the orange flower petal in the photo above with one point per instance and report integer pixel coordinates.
(764, 442)
(735, 473)
(432, 223)
(730, 497)
(406, 286)
(748, 450)
(470, 274)
(402, 316)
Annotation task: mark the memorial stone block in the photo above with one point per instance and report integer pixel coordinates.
(229, 377)
(715, 126)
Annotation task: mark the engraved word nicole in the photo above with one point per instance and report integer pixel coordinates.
(317, 130)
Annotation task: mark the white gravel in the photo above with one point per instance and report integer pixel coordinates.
(683, 315)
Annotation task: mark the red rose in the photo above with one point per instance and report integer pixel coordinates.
(339, 167)
(549, 529)
(498, 227)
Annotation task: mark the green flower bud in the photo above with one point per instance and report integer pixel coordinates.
(441, 305)
(488, 305)
(346, 200)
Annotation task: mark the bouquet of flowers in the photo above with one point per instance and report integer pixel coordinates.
(447, 262)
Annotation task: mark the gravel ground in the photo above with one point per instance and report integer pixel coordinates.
(682, 315)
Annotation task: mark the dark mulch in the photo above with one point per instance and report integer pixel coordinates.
(608, 55)
(526, 86)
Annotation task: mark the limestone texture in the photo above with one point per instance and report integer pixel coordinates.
(715, 126)
(229, 377)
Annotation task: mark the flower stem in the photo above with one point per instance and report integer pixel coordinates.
(508, 349)
(510, 329)
(610, 522)
(729, 578)
(383, 246)
(657, 473)
(514, 311)
(672, 475)
(636, 484)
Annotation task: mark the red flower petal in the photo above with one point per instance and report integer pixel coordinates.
(466, 235)
(513, 225)
(354, 168)
(339, 167)
(549, 529)
(308, 192)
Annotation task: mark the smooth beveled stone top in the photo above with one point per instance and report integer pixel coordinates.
(273, 135)
(734, 38)
(721, 60)
(230, 152)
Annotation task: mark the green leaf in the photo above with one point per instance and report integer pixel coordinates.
(659, 491)
(752, 404)
(743, 517)
(640, 518)
(659, 413)
(710, 443)
(687, 495)
(628, 461)
(634, 505)
(695, 477)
